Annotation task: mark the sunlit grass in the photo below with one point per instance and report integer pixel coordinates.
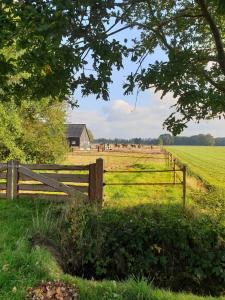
(122, 195)
(206, 162)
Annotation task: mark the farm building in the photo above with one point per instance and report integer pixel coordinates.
(77, 136)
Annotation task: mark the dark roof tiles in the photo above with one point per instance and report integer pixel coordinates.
(74, 130)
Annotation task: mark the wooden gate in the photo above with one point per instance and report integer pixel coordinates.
(50, 181)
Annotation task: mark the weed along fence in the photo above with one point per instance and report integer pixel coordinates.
(49, 181)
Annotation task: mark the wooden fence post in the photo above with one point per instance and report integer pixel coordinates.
(9, 187)
(96, 182)
(15, 179)
(174, 169)
(168, 158)
(12, 179)
(184, 185)
(92, 180)
(99, 181)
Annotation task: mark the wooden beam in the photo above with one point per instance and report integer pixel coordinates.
(76, 178)
(99, 181)
(15, 178)
(2, 186)
(3, 175)
(3, 167)
(59, 186)
(55, 167)
(9, 189)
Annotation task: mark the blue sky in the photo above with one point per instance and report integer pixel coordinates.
(118, 118)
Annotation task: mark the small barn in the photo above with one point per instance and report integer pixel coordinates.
(77, 136)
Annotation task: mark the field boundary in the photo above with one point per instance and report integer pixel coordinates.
(175, 171)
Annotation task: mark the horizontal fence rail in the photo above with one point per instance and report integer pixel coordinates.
(144, 183)
(182, 181)
(141, 171)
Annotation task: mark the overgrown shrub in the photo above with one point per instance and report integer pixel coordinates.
(33, 132)
(174, 250)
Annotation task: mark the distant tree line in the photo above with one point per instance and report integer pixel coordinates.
(167, 139)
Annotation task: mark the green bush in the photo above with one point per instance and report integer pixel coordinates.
(172, 249)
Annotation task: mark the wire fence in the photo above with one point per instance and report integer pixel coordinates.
(177, 180)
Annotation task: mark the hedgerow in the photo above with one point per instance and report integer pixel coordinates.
(172, 249)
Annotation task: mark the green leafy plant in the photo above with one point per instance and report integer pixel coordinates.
(174, 250)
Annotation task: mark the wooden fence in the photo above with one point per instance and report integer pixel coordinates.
(59, 182)
(177, 164)
(49, 181)
(177, 180)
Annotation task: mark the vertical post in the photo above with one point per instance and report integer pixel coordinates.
(99, 181)
(174, 169)
(9, 187)
(15, 179)
(92, 180)
(184, 185)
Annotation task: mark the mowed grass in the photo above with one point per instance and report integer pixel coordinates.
(206, 162)
(127, 195)
(23, 265)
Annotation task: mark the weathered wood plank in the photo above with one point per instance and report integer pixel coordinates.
(46, 188)
(3, 175)
(55, 167)
(3, 167)
(59, 186)
(76, 178)
(2, 186)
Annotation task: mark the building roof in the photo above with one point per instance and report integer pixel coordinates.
(74, 130)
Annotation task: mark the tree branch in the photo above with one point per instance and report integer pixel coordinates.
(215, 32)
(219, 86)
(118, 30)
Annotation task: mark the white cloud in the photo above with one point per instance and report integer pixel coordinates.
(119, 119)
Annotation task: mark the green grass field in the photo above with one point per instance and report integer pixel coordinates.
(206, 162)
